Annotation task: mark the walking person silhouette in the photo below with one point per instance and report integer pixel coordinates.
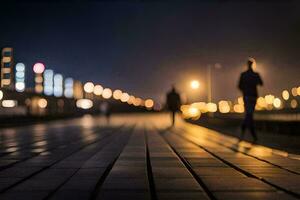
(173, 103)
(249, 80)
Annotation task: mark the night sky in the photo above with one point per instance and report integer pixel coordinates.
(143, 47)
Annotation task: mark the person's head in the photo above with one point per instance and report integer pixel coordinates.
(250, 64)
(173, 88)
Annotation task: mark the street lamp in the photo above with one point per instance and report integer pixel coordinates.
(195, 84)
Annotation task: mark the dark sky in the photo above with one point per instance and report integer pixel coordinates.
(144, 46)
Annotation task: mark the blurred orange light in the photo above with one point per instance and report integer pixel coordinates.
(107, 93)
(125, 97)
(42, 103)
(137, 102)
(98, 89)
(285, 95)
(294, 103)
(149, 103)
(131, 100)
(294, 91)
(277, 103)
(88, 87)
(117, 94)
(195, 84)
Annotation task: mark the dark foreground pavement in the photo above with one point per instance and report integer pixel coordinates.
(136, 157)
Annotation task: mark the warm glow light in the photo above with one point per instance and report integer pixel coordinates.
(238, 108)
(38, 68)
(149, 103)
(98, 89)
(277, 103)
(131, 100)
(195, 84)
(285, 95)
(107, 93)
(9, 103)
(117, 94)
(125, 97)
(6, 59)
(269, 99)
(137, 102)
(294, 103)
(1, 95)
(298, 91)
(201, 106)
(42, 103)
(212, 107)
(88, 87)
(39, 88)
(261, 103)
(224, 107)
(193, 112)
(84, 103)
(241, 100)
(294, 91)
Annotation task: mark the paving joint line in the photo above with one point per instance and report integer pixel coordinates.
(96, 191)
(69, 178)
(48, 166)
(149, 170)
(189, 168)
(255, 157)
(294, 194)
(54, 148)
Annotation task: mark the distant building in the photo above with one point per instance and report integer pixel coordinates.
(7, 68)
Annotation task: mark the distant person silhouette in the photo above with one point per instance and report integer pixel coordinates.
(106, 111)
(173, 103)
(249, 80)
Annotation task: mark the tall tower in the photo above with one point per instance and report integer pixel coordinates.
(7, 68)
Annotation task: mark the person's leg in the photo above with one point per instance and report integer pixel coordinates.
(173, 118)
(251, 119)
(245, 121)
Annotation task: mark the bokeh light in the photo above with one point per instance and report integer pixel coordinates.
(195, 84)
(149, 103)
(117, 94)
(42, 103)
(107, 93)
(285, 95)
(277, 103)
(98, 89)
(88, 87)
(84, 103)
(38, 68)
(125, 97)
(212, 107)
(294, 103)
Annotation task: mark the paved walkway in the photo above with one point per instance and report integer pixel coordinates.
(138, 157)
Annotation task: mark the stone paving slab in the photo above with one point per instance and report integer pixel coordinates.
(78, 159)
